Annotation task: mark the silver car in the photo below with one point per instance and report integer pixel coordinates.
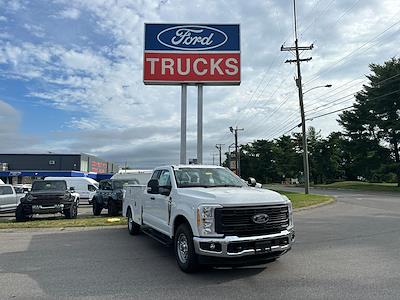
(9, 199)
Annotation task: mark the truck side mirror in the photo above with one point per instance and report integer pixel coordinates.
(72, 189)
(251, 182)
(153, 187)
(165, 190)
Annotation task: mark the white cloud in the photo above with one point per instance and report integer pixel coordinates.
(70, 13)
(11, 139)
(36, 30)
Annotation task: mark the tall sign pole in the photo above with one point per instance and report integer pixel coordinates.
(200, 124)
(191, 54)
(183, 123)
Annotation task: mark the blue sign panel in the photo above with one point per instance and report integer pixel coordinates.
(192, 37)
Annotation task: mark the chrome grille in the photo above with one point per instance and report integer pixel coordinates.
(238, 220)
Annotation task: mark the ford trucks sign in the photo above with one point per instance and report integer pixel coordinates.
(194, 53)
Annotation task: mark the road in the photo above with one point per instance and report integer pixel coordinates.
(346, 250)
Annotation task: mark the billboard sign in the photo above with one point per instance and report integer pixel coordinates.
(192, 53)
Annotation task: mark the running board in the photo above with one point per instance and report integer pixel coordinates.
(158, 236)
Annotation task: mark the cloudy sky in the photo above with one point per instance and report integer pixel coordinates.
(71, 73)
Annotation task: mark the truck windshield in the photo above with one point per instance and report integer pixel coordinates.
(206, 177)
(119, 184)
(49, 185)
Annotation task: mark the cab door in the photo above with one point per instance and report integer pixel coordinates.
(162, 199)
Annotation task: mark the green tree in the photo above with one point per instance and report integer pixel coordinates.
(375, 120)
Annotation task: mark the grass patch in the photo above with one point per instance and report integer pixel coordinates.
(302, 200)
(362, 186)
(59, 222)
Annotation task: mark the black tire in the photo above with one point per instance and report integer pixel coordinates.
(112, 208)
(97, 208)
(133, 228)
(71, 212)
(20, 215)
(185, 254)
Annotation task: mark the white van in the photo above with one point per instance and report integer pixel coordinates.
(86, 187)
(1, 181)
(143, 176)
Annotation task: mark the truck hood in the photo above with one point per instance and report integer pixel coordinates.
(229, 196)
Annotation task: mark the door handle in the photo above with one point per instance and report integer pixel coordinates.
(152, 198)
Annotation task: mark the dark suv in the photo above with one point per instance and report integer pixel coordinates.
(48, 197)
(109, 196)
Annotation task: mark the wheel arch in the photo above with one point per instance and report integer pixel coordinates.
(179, 219)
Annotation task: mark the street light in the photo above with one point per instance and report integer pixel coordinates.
(317, 87)
(304, 138)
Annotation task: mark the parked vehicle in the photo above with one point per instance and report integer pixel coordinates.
(142, 176)
(48, 197)
(86, 187)
(23, 188)
(9, 198)
(1, 181)
(210, 216)
(109, 196)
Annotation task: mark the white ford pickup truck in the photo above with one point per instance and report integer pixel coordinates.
(210, 216)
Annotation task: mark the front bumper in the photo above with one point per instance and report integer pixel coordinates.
(233, 246)
(36, 208)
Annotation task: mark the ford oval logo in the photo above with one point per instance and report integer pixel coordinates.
(192, 37)
(260, 218)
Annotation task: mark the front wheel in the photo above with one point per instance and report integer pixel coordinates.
(72, 211)
(20, 215)
(97, 208)
(184, 249)
(133, 228)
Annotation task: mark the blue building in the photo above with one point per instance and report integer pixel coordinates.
(24, 168)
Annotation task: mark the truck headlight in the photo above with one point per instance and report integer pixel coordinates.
(290, 207)
(290, 213)
(206, 219)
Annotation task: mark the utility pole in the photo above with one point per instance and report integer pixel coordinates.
(235, 132)
(213, 156)
(298, 60)
(219, 147)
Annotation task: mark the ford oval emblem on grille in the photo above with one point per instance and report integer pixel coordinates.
(260, 218)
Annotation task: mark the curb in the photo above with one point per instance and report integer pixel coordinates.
(331, 201)
(60, 229)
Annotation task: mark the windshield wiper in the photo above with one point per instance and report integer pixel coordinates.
(193, 185)
(224, 185)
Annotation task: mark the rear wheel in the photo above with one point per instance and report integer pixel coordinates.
(133, 228)
(97, 208)
(20, 215)
(185, 254)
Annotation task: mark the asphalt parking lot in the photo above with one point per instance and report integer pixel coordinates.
(345, 250)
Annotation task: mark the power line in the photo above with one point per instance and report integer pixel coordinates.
(335, 64)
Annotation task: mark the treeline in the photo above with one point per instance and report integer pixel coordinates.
(366, 149)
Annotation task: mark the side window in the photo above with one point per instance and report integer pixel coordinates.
(156, 174)
(107, 185)
(101, 185)
(165, 178)
(91, 188)
(6, 190)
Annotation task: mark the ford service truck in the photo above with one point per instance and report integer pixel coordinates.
(210, 216)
